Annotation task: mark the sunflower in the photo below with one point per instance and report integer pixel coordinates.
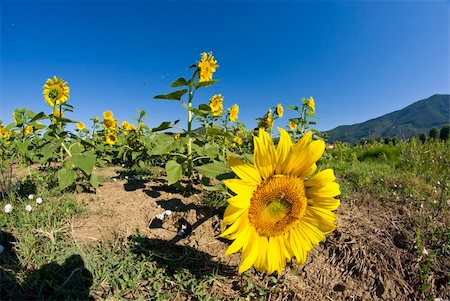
(280, 110)
(111, 138)
(107, 115)
(292, 125)
(110, 124)
(207, 66)
(80, 125)
(216, 105)
(28, 130)
(233, 113)
(124, 125)
(311, 105)
(280, 209)
(56, 91)
(177, 136)
(237, 140)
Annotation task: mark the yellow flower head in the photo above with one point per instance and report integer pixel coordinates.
(107, 115)
(58, 113)
(125, 125)
(4, 133)
(80, 125)
(207, 66)
(281, 209)
(141, 126)
(292, 125)
(110, 124)
(233, 113)
(216, 104)
(56, 91)
(177, 136)
(111, 138)
(28, 130)
(237, 140)
(131, 127)
(311, 104)
(96, 119)
(280, 110)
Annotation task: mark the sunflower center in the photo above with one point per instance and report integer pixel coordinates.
(54, 93)
(277, 205)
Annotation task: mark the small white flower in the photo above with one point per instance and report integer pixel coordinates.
(160, 216)
(425, 252)
(2, 248)
(28, 208)
(30, 196)
(123, 165)
(8, 208)
(421, 206)
(114, 179)
(39, 201)
(167, 212)
(126, 177)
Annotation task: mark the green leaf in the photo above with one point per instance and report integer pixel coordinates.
(218, 132)
(212, 170)
(94, 181)
(179, 82)
(174, 171)
(48, 150)
(162, 144)
(295, 108)
(163, 126)
(66, 177)
(172, 96)
(312, 122)
(205, 83)
(84, 161)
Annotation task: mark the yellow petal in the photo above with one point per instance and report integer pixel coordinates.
(274, 255)
(297, 154)
(283, 149)
(321, 219)
(330, 190)
(264, 154)
(330, 204)
(244, 170)
(231, 214)
(240, 187)
(309, 171)
(261, 261)
(297, 246)
(241, 240)
(311, 234)
(234, 228)
(321, 179)
(251, 252)
(239, 201)
(313, 153)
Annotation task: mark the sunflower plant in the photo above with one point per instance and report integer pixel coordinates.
(300, 125)
(197, 149)
(75, 155)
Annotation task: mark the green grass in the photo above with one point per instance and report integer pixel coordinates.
(42, 261)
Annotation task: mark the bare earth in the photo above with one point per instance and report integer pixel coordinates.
(369, 257)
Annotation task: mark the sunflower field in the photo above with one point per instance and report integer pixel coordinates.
(114, 209)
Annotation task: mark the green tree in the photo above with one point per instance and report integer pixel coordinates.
(434, 133)
(444, 133)
(423, 138)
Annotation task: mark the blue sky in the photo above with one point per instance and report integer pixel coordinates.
(358, 59)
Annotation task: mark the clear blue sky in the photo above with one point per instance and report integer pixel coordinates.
(359, 59)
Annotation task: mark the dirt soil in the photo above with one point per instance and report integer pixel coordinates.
(369, 257)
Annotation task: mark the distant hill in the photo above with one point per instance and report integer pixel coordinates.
(417, 118)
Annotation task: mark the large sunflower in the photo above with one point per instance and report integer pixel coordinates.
(280, 209)
(56, 91)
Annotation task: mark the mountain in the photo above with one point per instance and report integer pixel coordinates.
(416, 118)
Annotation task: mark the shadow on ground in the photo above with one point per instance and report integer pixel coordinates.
(173, 258)
(67, 281)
